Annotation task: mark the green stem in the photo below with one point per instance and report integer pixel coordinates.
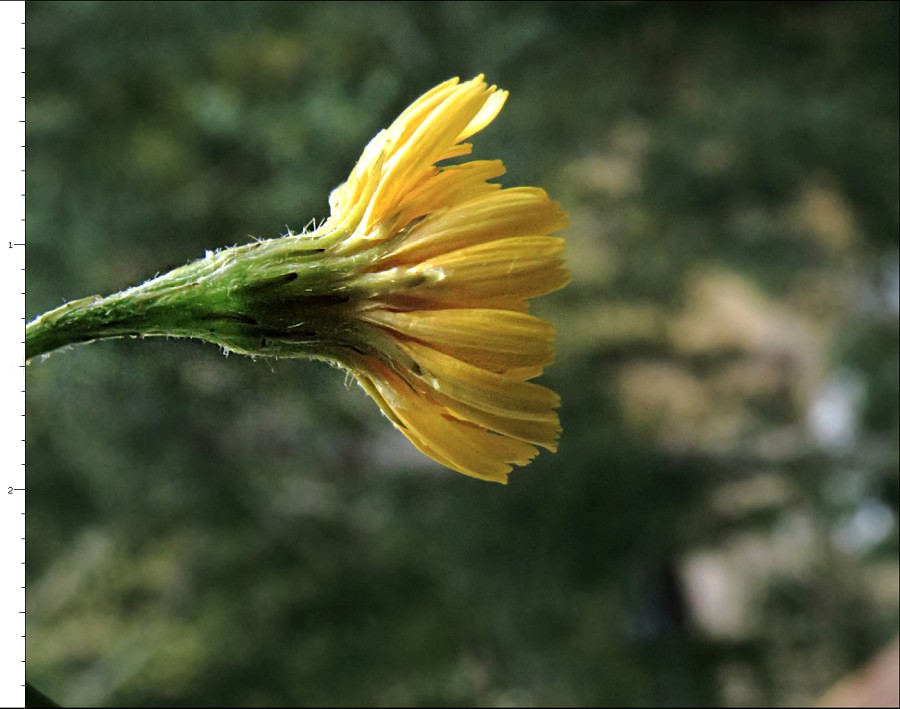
(174, 305)
(90, 319)
(61, 327)
(279, 298)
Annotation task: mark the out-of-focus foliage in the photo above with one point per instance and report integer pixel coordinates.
(720, 524)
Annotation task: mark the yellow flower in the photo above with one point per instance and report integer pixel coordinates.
(443, 339)
(418, 285)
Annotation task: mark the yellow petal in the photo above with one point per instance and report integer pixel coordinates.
(487, 113)
(418, 300)
(451, 185)
(348, 202)
(436, 133)
(454, 151)
(543, 432)
(498, 271)
(368, 383)
(496, 340)
(457, 444)
(407, 122)
(519, 211)
(479, 388)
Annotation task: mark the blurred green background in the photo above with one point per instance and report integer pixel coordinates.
(720, 525)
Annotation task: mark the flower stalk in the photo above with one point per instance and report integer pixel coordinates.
(280, 298)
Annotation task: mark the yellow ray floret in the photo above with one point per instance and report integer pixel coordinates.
(506, 213)
(460, 445)
(495, 340)
(447, 261)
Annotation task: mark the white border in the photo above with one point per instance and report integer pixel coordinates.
(12, 372)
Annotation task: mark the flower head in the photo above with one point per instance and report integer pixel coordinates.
(445, 264)
(417, 284)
